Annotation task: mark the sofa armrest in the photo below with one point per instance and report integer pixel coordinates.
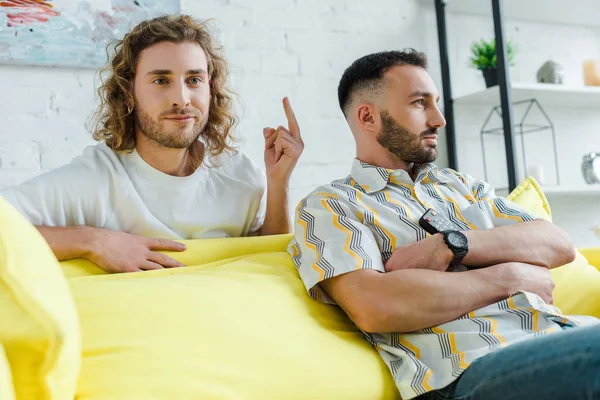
(592, 254)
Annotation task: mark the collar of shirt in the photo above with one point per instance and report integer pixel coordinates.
(372, 178)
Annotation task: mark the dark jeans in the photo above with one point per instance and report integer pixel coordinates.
(563, 365)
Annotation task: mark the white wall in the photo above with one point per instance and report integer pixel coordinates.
(299, 48)
(276, 48)
(42, 116)
(537, 43)
(576, 128)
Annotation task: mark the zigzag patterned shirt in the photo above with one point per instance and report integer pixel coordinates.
(356, 223)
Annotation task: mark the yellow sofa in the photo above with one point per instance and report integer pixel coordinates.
(592, 255)
(235, 324)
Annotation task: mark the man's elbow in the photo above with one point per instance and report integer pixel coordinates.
(566, 254)
(563, 249)
(366, 321)
(364, 313)
(379, 319)
(365, 299)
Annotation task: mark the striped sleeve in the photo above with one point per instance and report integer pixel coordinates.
(330, 240)
(500, 210)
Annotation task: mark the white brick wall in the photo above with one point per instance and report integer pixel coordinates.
(299, 48)
(295, 48)
(42, 116)
(576, 128)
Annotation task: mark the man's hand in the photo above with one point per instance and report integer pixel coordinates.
(533, 279)
(283, 147)
(429, 253)
(115, 251)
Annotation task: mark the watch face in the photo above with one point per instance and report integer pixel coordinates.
(457, 239)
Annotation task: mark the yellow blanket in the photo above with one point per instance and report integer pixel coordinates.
(235, 324)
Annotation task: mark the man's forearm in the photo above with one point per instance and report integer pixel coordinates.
(69, 242)
(277, 218)
(409, 300)
(537, 242)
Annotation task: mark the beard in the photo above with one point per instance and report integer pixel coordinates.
(404, 144)
(178, 136)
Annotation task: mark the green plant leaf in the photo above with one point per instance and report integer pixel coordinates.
(484, 53)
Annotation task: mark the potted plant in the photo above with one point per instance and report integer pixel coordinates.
(484, 59)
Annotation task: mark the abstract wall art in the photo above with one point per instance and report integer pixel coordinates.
(69, 33)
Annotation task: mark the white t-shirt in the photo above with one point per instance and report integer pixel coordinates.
(223, 198)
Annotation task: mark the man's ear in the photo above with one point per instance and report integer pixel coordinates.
(130, 101)
(368, 118)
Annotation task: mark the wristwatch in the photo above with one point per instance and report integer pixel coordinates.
(458, 244)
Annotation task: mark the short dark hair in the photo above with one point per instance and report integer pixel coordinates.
(367, 72)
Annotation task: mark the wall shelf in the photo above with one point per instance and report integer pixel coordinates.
(552, 192)
(563, 191)
(549, 95)
(566, 196)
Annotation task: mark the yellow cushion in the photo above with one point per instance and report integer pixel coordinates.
(38, 322)
(577, 288)
(6, 383)
(530, 196)
(239, 328)
(592, 254)
(578, 283)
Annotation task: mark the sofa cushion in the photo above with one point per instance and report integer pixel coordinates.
(578, 283)
(592, 254)
(41, 339)
(530, 196)
(239, 328)
(6, 383)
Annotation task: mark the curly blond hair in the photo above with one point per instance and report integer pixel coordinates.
(114, 121)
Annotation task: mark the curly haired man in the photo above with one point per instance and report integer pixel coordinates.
(165, 168)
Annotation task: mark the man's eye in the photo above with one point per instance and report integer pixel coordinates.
(160, 81)
(420, 102)
(195, 80)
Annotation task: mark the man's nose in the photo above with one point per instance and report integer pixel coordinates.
(437, 120)
(180, 95)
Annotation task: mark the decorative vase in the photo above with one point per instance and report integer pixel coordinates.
(491, 76)
(551, 72)
(590, 168)
(591, 73)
